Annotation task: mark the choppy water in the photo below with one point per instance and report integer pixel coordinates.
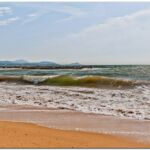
(135, 72)
(130, 102)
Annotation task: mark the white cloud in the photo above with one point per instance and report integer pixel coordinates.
(8, 21)
(5, 11)
(71, 13)
(117, 40)
(31, 17)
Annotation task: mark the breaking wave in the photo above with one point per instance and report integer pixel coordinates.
(64, 80)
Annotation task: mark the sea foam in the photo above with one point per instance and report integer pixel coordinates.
(131, 103)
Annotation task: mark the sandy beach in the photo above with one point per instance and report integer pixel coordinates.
(23, 135)
(51, 116)
(35, 127)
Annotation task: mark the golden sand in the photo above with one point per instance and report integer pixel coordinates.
(27, 135)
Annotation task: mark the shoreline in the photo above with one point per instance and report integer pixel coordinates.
(102, 114)
(128, 103)
(138, 130)
(27, 135)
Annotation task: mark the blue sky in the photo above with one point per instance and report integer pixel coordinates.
(89, 33)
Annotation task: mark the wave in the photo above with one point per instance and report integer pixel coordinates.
(63, 80)
(87, 81)
(10, 79)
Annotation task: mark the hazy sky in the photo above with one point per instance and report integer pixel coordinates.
(89, 33)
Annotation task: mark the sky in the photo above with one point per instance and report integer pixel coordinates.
(84, 32)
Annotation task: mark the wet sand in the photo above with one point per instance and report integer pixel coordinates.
(23, 135)
(98, 130)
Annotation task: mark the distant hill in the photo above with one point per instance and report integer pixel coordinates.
(21, 62)
(25, 63)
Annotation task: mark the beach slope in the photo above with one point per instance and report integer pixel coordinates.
(27, 135)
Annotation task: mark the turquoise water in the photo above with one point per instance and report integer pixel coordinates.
(138, 72)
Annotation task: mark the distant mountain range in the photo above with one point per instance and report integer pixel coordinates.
(22, 62)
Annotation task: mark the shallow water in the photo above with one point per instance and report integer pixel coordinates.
(130, 103)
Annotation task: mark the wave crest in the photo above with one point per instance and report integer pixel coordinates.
(86, 81)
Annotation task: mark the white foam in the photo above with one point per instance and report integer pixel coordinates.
(129, 103)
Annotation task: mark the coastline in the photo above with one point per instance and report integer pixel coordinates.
(138, 130)
(26, 135)
(72, 111)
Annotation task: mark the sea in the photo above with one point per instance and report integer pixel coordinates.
(133, 101)
(132, 72)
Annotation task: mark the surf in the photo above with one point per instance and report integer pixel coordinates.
(67, 80)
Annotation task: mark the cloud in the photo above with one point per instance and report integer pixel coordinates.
(31, 17)
(41, 11)
(8, 21)
(5, 11)
(116, 40)
(73, 13)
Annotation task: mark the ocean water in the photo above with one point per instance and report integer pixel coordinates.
(132, 72)
(129, 103)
